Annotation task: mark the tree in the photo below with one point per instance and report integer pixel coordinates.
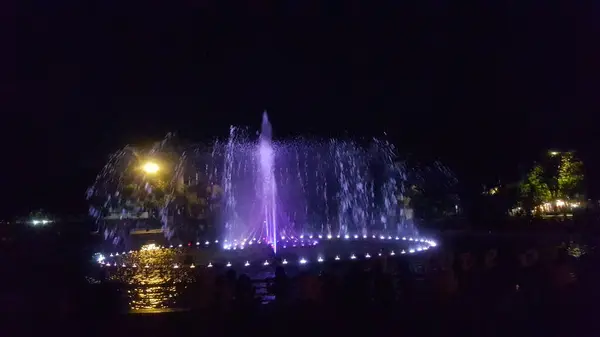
(558, 176)
(534, 189)
(570, 176)
(496, 201)
(431, 191)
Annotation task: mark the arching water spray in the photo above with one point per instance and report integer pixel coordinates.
(264, 189)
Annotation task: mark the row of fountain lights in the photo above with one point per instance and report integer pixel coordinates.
(301, 261)
(101, 259)
(304, 241)
(312, 240)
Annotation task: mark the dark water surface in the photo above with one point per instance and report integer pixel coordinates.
(155, 285)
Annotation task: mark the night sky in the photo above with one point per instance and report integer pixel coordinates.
(484, 85)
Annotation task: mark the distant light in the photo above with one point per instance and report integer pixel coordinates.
(346, 236)
(134, 265)
(175, 266)
(246, 264)
(209, 265)
(553, 153)
(337, 258)
(266, 263)
(368, 256)
(284, 261)
(392, 253)
(228, 264)
(36, 222)
(303, 261)
(329, 236)
(353, 257)
(320, 259)
(192, 266)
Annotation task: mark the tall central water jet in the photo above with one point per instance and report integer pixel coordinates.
(305, 187)
(269, 186)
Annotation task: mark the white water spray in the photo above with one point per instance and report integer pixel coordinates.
(269, 186)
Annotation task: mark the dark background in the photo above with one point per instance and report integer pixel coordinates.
(485, 86)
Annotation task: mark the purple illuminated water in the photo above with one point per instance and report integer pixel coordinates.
(277, 189)
(261, 188)
(269, 185)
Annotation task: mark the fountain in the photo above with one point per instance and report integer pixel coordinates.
(339, 195)
(277, 191)
(267, 180)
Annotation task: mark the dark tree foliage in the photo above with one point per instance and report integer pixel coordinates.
(431, 191)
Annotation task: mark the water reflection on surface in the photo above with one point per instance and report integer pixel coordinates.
(159, 297)
(156, 280)
(575, 249)
(153, 284)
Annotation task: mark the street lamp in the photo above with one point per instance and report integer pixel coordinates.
(150, 167)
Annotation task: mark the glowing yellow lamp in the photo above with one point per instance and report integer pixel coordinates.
(150, 167)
